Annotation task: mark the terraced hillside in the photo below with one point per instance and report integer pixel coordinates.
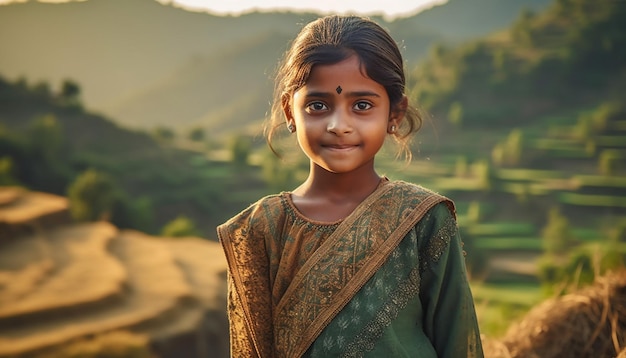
(63, 282)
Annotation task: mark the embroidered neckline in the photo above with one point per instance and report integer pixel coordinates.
(298, 215)
(293, 210)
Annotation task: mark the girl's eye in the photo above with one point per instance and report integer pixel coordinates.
(362, 106)
(316, 106)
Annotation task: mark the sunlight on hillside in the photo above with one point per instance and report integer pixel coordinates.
(124, 143)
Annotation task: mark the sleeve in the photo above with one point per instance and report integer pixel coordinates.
(450, 319)
(240, 344)
(249, 299)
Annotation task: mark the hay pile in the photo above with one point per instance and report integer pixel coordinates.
(588, 323)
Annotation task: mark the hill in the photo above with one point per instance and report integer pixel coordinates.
(87, 287)
(90, 289)
(143, 74)
(569, 57)
(47, 141)
(464, 20)
(528, 138)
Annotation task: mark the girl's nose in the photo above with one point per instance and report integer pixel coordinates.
(339, 124)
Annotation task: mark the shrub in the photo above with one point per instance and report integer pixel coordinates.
(182, 226)
(455, 114)
(557, 236)
(610, 162)
(6, 171)
(92, 196)
(240, 148)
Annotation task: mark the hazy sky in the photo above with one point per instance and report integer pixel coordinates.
(364, 7)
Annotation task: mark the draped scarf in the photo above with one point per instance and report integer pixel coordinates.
(325, 283)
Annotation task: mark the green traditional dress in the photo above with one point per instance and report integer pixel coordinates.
(387, 281)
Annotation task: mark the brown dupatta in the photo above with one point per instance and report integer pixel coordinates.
(328, 280)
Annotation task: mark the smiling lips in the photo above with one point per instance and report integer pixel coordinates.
(340, 146)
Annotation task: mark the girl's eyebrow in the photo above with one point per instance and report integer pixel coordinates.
(362, 94)
(349, 94)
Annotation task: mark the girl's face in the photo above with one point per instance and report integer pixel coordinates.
(341, 116)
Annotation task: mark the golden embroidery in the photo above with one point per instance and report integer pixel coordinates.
(364, 341)
(345, 262)
(439, 242)
(311, 279)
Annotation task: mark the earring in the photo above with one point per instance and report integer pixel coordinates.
(392, 129)
(291, 128)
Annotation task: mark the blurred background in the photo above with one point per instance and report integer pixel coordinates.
(129, 129)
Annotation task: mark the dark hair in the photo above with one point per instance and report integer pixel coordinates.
(332, 39)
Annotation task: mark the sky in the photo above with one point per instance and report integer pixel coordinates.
(389, 9)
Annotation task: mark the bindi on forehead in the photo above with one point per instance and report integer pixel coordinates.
(338, 89)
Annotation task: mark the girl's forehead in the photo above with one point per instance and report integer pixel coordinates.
(350, 69)
(339, 79)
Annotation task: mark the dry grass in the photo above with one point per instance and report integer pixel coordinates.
(22, 207)
(151, 266)
(590, 323)
(9, 194)
(204, 265)
(25, 213)
(16, 284)
(117, 344)
(86, 290)
(77, 270)
(156, 286)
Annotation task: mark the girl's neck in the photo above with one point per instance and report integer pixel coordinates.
(353, 186)
(330, 197)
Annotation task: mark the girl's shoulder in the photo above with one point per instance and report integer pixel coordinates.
(419, 194)
(405, 186)
(268, 208)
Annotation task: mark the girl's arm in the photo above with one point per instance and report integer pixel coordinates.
(249, 298)
(240, 343)
(449, 314)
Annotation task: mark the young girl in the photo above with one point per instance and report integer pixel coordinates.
(350, 263)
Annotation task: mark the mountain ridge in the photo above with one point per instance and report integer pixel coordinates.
(118, 50)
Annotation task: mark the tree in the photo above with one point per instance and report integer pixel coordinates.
(46, 136)
(92, 196)
(42, 89)
(474, 212)
(514, 147)
(610, 162)
(180, 227)
(240, 149)
(438, 51)
(509, 153)
(605, 114)
(455, 114)
(70, 91)
(522, 29)
(556, 235)
(132, 213)
(6, 171)
(197, 134)
(484, 173)
(461, 168)
(163, 133)
(499, 60)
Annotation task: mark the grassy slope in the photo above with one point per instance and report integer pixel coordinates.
(143, 73)
(174, 181)
(512, 212)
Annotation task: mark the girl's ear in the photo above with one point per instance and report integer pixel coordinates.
(397, 115)
(286, 104)
(399, 110)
